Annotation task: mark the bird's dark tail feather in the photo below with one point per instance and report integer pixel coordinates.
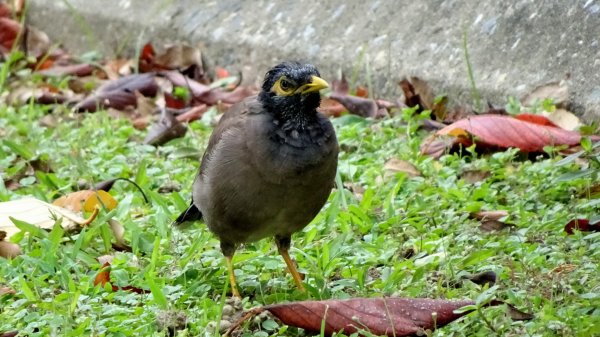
(192, 213)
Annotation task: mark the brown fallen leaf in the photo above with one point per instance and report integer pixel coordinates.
(357, 105)
(474, 176)
(37, 43)
(583, 225)
(7, 291)
(398, 165)
(378, 316)
(166, 129)
(418, 92)
(179, 56)
(331, 108)
(9, 334)
(214, 96)
(120, 93)
(9, 250)
(192, 114)
(484, 278)
(490, 220)
(557, 91)
(489, 215)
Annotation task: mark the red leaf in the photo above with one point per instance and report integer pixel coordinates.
(331, 107)
(362, 92)
(221, 73)
(5, 11)
(380, 316)
(103, 276)
(536, 119)
(74, 69)
(146, 59)
(9, 30)
(193, 114)
(174, 102)
(120, 93)
(583, 225)
(505, 132)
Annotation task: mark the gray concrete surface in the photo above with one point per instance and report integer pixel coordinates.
(514, 45)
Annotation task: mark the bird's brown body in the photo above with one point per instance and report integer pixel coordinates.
(258, 180)
(269, 166)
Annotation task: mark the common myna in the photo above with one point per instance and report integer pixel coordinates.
(269, 166)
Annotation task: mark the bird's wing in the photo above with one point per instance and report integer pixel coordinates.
(232, 118)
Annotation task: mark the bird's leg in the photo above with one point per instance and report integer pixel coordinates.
(283, 244)
(228, 250)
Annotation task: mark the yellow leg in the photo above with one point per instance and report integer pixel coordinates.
(232, 281)
(292, 267)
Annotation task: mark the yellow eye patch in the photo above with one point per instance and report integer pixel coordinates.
(283, 87)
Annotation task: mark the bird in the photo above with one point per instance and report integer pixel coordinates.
(269, 166)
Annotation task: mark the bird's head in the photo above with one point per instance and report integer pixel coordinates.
(291, 90)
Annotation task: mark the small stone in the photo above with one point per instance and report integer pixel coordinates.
(228, 310)
(224, 325)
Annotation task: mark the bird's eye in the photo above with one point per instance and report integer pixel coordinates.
(285, 84)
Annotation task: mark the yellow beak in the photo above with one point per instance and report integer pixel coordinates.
(315, 84)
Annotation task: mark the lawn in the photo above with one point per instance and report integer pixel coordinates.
(382, 233)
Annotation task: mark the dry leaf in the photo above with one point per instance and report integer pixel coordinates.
(120, 93)
(558, 91)
(474, 176)
(490, 220)
(398, 165)
(489, 215)
(377, 316)
(564, 119)
(166, 129)
(179, 56)
(9, 250)
(364, 107)
(35, 212)
(583, 225)
(101, 199)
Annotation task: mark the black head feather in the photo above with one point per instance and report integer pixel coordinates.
(291, 107)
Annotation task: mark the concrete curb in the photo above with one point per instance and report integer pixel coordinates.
(513, 47)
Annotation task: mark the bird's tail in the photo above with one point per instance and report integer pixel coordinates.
(192, 213)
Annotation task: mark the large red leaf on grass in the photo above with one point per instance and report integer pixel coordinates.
(505, 132)
(380, 316)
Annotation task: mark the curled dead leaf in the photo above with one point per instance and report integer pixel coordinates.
(119, 94)
(166, 129)
(398, 165)
(489, 215)
(557, 91)
(9, 250)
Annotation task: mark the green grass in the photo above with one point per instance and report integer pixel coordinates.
(357, 245)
